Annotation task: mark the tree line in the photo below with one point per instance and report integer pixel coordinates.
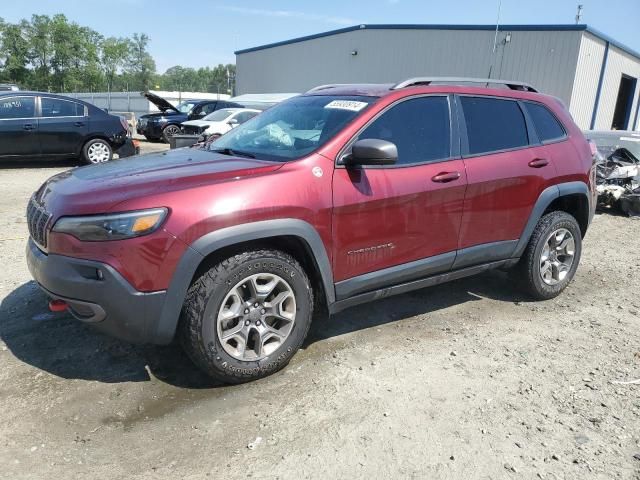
(50, 53)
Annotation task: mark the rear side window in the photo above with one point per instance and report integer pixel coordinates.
(17, 107)
(493, 124)
(54, 107)
(418, 127)
(546, 124)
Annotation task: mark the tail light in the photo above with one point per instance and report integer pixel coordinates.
(125, 125)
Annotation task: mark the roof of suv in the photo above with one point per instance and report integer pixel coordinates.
(442, 83)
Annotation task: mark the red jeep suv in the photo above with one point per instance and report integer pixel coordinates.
(340, 196)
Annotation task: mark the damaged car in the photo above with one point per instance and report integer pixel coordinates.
(618, 170)
(164, 124)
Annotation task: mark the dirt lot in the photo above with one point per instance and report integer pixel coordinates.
(466, 380)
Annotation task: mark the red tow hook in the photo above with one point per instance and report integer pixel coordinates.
(58, 305)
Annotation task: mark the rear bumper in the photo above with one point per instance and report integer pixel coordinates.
(97, 294)
(128, 149)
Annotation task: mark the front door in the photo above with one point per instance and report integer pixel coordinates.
(63, 126)
(397, 223)
(18, 127)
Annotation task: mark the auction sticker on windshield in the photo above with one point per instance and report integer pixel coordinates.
(346, 105)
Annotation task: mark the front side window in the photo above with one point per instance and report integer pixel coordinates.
(546, 124)
(54, 107)
(17, 107)
(493, 124)
(185, 107)
(294, 128)
(419, 128)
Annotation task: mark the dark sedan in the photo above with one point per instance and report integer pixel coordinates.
(48, 126)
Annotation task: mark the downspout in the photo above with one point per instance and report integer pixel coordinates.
(600, 82)
(635, 118)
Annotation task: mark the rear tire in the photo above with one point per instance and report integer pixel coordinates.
(551, 258)
(247, 316)
(97, 151)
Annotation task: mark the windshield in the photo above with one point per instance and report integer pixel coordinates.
(294, 128)
(185, 107)
(219, 115)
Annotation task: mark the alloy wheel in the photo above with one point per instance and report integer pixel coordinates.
(557, 256)
(256, 317)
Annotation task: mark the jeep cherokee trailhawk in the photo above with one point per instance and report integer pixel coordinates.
(340, 196)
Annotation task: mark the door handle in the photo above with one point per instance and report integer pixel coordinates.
(445, 177)
(538, 163)
(79, 124)
(29, 126)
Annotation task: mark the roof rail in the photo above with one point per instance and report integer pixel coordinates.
(513, 85)
(327, 86)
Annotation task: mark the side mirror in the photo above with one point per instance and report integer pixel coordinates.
(233, 122)
(372, 151)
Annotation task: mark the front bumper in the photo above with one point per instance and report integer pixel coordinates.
(97, 294)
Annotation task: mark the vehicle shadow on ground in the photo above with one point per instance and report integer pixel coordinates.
(62, 346)
(17, 164)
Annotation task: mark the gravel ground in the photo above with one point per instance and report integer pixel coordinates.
(465, 380)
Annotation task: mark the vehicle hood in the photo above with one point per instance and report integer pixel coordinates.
(101, 188)
(198, 123)
(162, 104)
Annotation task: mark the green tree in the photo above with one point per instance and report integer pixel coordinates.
(114, 54)
(141, 67)
(14, 53)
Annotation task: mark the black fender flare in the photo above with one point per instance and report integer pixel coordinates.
(225, 237)
(547, 196)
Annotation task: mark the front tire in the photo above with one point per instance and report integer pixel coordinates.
(552, 256)
(247, 316)
(97, 151)
(169, 131)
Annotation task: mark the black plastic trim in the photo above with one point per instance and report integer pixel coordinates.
(225, 237)
(415, 285)
(119, 309)
(487, 252)
(393, 275)
(547, 196)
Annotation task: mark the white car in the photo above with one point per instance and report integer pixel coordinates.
(219, 122)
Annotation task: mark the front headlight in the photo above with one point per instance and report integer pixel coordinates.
(117, 226)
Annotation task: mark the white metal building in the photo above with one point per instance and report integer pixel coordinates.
(594, 75)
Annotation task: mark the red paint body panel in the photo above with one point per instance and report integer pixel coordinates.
(501, 194)
(349, 209)
(398, 206)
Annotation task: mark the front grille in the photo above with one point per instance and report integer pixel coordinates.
(37, 219)
(193, 130)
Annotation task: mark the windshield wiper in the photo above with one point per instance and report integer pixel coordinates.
(229, 151)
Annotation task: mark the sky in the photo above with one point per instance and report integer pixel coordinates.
(199, 33)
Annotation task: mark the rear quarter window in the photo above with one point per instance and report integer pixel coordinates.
(546, 124)
(493, 125)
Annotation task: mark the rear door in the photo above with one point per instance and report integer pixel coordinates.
(18, 127)
(64, 125)
(506, 169)
(386, 217)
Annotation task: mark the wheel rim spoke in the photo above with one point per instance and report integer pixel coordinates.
(557, 256)
(256, 317)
